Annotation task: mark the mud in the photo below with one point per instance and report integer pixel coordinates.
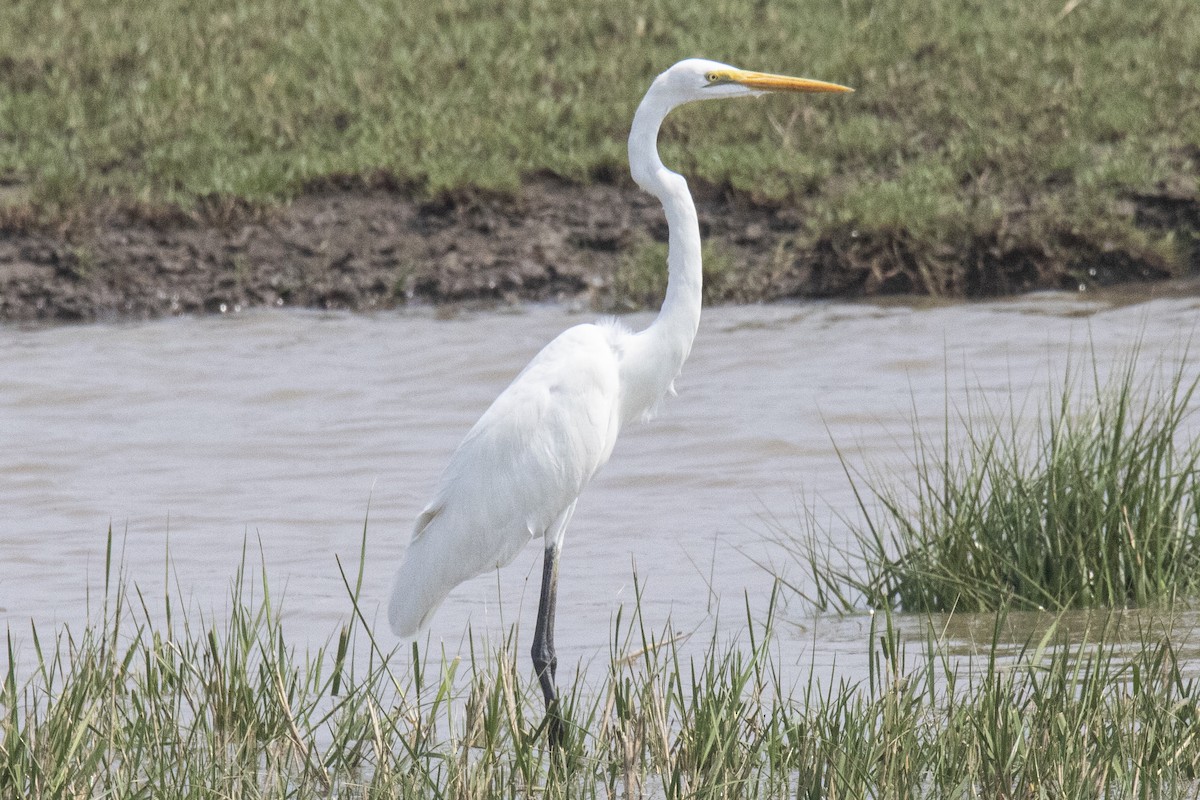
(360, 247)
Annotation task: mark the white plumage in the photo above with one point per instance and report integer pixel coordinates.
(521, 468)
(516, 475)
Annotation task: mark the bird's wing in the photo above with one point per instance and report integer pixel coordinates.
(522, 464)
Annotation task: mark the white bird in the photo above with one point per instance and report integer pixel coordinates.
(517, 474)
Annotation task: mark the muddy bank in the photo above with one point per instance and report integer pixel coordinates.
(368, 247)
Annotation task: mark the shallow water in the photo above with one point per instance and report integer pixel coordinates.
(275, 432)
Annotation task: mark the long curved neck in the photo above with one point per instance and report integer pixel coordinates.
(660, 350)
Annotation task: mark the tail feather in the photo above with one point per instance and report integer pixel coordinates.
(417, 592)
(440, 558)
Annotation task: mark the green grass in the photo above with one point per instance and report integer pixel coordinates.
(1093, 502)
(152, 701)
(1006, 123)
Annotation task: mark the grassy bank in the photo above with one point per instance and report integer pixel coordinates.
(998, 132)
(144, 703)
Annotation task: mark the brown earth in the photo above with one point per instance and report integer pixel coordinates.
(363, 247)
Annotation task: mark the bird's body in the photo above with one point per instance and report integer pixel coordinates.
(519, 471)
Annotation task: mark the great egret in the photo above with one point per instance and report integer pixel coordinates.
(517, 474)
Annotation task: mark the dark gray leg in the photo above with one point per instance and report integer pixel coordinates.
(545, 662)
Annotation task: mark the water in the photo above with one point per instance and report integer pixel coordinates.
(274, 433)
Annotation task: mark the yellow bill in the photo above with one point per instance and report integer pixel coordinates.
(766, 82)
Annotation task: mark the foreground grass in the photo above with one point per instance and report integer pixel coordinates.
(193, 707)
(979, 131)
(1096, 502)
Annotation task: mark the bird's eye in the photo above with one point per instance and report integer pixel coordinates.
(711, 77)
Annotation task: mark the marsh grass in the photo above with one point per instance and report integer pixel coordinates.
(150, 702)
(1093, 502)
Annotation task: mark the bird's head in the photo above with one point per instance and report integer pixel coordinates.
(700, 79)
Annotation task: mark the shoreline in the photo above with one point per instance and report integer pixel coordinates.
(363, 247)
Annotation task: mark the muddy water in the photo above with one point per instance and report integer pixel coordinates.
(274, 435)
